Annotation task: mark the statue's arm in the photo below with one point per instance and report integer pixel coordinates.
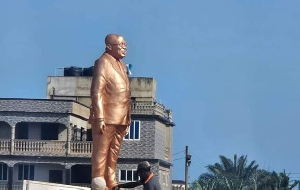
(99, 82)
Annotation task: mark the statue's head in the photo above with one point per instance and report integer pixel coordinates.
(115, 46)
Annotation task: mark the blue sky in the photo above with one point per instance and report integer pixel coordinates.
(229, 70)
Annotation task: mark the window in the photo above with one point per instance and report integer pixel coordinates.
(167, 179)
(134, 131)
(26, 172)
(164, 177)
(128, 175)
(3, 172)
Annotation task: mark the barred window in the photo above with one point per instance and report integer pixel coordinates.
(26, 172)
(128, 175)
(3, 172)
(134, 131)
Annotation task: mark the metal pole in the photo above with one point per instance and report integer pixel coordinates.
(186, 166)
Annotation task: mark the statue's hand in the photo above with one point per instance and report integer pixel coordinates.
(100, 127)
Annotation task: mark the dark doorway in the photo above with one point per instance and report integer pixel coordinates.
(55, 176)
(49, 131)
(22, 131)
(81, 174)
(89, 136)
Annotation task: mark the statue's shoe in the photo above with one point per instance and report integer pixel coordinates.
(98, 183)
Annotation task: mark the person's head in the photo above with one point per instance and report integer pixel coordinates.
(144, 170)
(115, 46)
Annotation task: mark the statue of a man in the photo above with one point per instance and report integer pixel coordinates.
(110, 111)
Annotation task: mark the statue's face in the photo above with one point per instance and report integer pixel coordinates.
(119, 48)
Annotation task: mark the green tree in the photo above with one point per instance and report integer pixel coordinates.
(233, 175)
(228, 174)
(237, 175)
(274, 181)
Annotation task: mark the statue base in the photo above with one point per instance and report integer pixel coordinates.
(38, 185)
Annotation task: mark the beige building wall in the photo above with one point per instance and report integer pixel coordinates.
(78, 88)
(62, 132)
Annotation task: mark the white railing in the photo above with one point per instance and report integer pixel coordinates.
(151, 108)
(43, 147)
(17, 186)
(3, 186)
(148, 108)
(4, 146)
(39, 147)
(81, 147)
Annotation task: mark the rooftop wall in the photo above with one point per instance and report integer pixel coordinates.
(78, 88)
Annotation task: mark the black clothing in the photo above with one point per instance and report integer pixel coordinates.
(152, 184)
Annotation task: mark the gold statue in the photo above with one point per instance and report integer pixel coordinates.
(110, 111)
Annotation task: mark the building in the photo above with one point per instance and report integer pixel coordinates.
(50, 139)
(178, 185)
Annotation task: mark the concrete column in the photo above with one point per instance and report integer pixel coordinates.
(84, 135)
(10, 174)
(77, 133)
(69, 137)
(68, 173)
(12, 139)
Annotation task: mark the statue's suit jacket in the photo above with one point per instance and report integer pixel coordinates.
(110, 92)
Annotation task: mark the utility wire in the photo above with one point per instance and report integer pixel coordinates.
(178, 152)
(178, 159)
(199, 159)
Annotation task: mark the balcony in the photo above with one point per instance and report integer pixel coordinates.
(150, 108)
(16, 186)
(46, 148)
(5, 146)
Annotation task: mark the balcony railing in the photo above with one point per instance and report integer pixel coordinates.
(81, 148)
(150, 108)
(40, 147)
(5, 146)
(43, 147)
(3, 186)
(15, 186)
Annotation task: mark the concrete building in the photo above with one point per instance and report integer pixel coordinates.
(50, 139)
(178, 185)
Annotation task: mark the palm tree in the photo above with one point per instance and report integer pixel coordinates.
(233, 175)
(237, 175)
(274, 181)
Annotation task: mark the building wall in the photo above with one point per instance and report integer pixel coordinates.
(160, 140)
(169, 142)
(15, 117)
(35, 105)
(13, 111)
(41, 171)
(143, 148)
(62, 132)
(65, 87)
(78, 88)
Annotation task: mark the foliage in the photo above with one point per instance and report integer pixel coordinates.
(237, 175)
